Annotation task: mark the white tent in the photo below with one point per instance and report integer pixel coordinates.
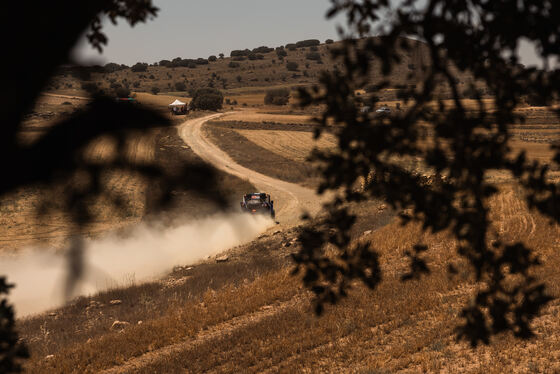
(177, 103)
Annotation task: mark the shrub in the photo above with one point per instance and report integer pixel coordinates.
(180, 86)
(281, 53)
(239, 78)
(329, 41)
(122, 92)
(292, 66)
(291, 47)
(262, 49)
(139, 67)
(233, 64)
(136, 84)
(221, 56)
(280, 96)
(314, 56)
(307, 43)
(254, 56)
(201, 61)
(314, 48)
(207, 99)
(155, 90)
(237, 53)
(165, 63)
(239, 58)
(111, 67)
(212, 58)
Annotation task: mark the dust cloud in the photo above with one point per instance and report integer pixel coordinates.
(41, 277)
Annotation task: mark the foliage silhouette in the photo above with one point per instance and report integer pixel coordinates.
(474, 37)
(53, 161)
(207, 99)
(12, 351)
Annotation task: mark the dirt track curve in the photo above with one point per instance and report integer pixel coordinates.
(290, 200)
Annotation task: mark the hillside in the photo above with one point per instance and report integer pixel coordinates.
(286, 66)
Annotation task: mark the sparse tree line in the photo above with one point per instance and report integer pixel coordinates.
(123, 89)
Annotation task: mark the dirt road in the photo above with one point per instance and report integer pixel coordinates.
(290, 200)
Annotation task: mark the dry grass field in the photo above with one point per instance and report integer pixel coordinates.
(22, 226)
(400, 326)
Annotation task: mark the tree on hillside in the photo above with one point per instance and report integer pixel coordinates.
(139, 67)
(475, 37)
(207, 99)
(57, 156)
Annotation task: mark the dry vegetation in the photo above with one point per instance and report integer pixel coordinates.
(21, 224)
(405, 326)
(250, 314)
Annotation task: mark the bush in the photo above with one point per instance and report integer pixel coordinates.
(180, 86)
(329, 41)
(307, 43)
(136, 84)
(111, 67)
(314, 56)
(233, 64)
(263, 49)
(139, 67)
(155, 90)
(239, 78)
(221, 56)
(201, 61)
(238, 53)
(281, 53)
(291, 47)
(165, 63)
(279, 96)
(207, 99)
(239, 58)
(314, 48)
(212, 58)
(122, 92)
(292, 66)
